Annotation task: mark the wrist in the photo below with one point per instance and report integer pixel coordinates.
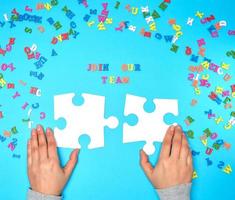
(181, 191)
(33, 195)
(46, 192)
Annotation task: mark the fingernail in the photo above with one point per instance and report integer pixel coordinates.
(47, 131)
(33, 133)
(76, 152)
(172, 128)
(39, 128)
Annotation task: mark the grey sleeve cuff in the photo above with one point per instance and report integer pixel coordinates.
(32, 195)
(178, 192)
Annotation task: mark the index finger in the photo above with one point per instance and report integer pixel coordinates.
(166, 144)
(184, 151)
(176, 143)
(51, 142)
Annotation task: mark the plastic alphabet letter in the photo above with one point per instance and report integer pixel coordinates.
(190, 21)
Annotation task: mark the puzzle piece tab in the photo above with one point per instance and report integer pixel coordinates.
(85, 119)
(150, 127)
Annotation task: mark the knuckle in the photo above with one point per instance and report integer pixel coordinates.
(52, 144)
(34, 149)
(173, 162)
(185, 145)
(190, 153)
(42, 146)
(177, 142)
(166, 162)
(52, 160)
(166, 144)
(185, 151)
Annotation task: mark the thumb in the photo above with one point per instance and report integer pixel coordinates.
(68, 169)
(145, 164)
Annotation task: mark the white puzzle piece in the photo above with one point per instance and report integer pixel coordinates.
(85, 119)
(150, 127)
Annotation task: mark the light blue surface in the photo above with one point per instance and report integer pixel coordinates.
(113, 172)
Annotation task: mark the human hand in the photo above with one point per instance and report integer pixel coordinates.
(44, 171)
(174, 166)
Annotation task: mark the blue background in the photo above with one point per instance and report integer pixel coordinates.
(113, 172)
